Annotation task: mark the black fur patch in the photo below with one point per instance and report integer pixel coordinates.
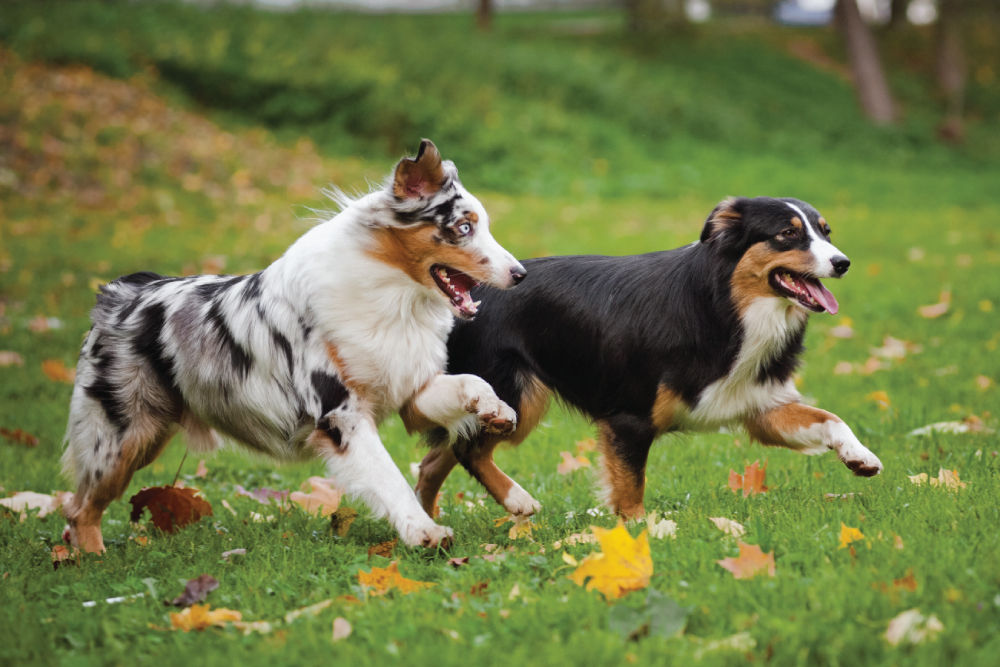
(147, 344)
(101, 389)
(208, 291)
(335, 436)
(251, 290)
(285, 346)
(330, 390)
(241, 361)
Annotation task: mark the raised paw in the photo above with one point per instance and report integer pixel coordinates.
(428, 535)
(494, 415)
(519, 502)
(862, 464)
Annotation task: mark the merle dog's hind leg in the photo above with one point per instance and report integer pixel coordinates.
(624, 442)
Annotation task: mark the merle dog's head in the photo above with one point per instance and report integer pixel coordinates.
(781, 248)
(439, 234)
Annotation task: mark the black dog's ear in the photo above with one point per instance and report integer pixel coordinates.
(420, 176)
(724, 221)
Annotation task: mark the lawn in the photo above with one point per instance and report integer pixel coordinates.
(102, 176)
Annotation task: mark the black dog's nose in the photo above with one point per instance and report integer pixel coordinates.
(517, 274)
(840, 264)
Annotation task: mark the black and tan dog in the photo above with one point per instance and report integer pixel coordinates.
(696, 338)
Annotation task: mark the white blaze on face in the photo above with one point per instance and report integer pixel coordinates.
(501, 264)
(822, 250)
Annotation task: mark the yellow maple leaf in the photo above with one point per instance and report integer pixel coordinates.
(522, 527)
(200, 616)
(946, 478)
(381, 580)
(624, 563)
(881, 398)
(848, 535)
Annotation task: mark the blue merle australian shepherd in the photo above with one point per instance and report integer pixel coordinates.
(302, 359)
(696, 338)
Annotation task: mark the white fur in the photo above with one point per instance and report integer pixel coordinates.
(836, 435)
(823, 251)
(463, 404)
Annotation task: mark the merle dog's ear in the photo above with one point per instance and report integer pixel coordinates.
(420, 176)
(724, 221)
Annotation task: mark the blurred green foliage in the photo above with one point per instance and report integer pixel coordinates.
(543, 104)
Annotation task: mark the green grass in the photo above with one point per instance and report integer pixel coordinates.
(109, 179)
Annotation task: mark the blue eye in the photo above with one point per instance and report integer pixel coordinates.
(464, 229)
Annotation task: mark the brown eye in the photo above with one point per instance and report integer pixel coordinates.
(789, 233)
(826, 229)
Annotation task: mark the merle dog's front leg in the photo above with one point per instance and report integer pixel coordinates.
(813, 431)
(463, 404)
(360, 466)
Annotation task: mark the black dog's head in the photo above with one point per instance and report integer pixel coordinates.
(780, 247)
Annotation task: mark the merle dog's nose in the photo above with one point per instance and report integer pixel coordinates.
(517, 274)
(840, 264)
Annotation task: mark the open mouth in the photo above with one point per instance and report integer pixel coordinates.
(456, 286)
(807, 291)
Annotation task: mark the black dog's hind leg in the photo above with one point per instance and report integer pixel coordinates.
(624, 442)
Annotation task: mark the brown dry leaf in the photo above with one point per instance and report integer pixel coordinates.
(10, 358)
(22, 501)
(751, 562)
(170, 507)
(56, 370)
(341, 520)
(908, 582)
(622, 565)
(196, 590)
(751, 481)
(61, 554)
(937, 309)
(570, 463)
(201, 616)
(728, 526)
(382, 580)
(322, 499)
(19, 437)
(341, 628)
(458, 562)
(383, 549)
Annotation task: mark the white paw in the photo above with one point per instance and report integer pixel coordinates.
(494, 415)
(860, 460)
(519, 502)
(428, 534)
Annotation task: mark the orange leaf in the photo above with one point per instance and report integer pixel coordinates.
(61, 554)
(570, 463)
(323, 500)
(751, 562)
(624, 563)
(381, 580)
(170, 507)
(200, 616)
(751, 481)
(56, 370)
(383, 549)
(20, 437)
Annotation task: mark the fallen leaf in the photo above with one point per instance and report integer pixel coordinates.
(56, 370)
(751, 481)
(971, 424)
(264, 495)
(912, 627)
(22, 501)
(228, 555)
(659, 616)
(908, 582)
(897, 542)
(382, 580)
(169, 506)
(61, 554)
(9, 358)
(983, 382)
(196, 590)
(624, 563)
(848, 535)
(201, 616)
(19, 437)
(947, 478)
(41, 324)
(586, 445)
(895, 348)
(937, 309)
(880, 397)
(661, 528)
(569, 559)
(260, 627)
(728, 526)
(570, 463)
(322, 500)
(843, 368)
(310, 610)
(201, 470)
(458, 562)
(575, 538)
(741, 642)
(751, 562)
(383, 549)
(844, 330)
(341, 520)
(341, 628)
(522, 525)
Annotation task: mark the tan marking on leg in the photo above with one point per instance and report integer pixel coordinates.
(483, 468)
(624, 489)
(664, 408)
(772, 427)
(434, 470)
(534, 404)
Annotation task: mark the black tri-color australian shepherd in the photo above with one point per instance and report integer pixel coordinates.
(696, 338)
(302, 359)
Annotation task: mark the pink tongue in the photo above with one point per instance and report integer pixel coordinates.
(822, 295)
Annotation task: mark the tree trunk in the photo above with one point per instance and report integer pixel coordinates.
(897, 13)
(951, 70)
(484, 14)
(866, 65)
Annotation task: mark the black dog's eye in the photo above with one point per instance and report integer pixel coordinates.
(464, 229)
(790, 233)
(826, 229)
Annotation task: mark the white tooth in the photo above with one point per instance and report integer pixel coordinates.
(476, 303)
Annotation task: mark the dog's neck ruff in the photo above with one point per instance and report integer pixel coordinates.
(388, 332)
